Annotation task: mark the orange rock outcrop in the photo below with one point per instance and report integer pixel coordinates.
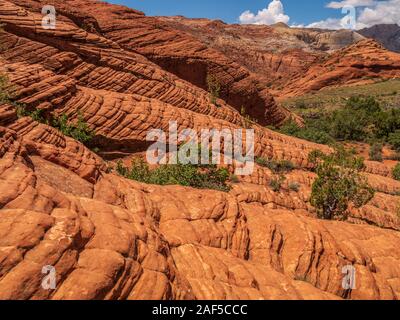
(112, 238)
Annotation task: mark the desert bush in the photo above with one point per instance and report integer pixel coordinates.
(277, 182)
(4, 93)
(276, 166)
(178, 174)
(294, 186)
(349, 124)
(79, 130)
(394, 139)
(338, 184)
(214, 88)
(386, 122)
(396, 172)
(313, 131)
(375, 152)
(234, 179)
(367, 104)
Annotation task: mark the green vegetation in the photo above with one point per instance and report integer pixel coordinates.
(396, 172)
(36, 114)
(79, 130)
(338, 184)
(361, 119)
(315, 131)
(282, 166)
(385, 92)
(375, 152)
(294, 186)
(214, 88)
(394, 140)
(248, 121)
(276, 183)
(196, 176)
(4, 93)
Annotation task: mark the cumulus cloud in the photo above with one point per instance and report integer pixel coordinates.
(274, 13)
(368, 13)
(346, 3)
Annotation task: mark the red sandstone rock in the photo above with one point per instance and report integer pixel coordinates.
(113, 238)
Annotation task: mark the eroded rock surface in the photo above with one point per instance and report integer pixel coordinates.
(113, 238)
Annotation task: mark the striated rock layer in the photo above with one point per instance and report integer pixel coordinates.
(128, 32)
(112, 238)
(362, 63)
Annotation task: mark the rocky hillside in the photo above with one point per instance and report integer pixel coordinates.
(61, 204)
(386, 34)
(273, 51)
(365, 62)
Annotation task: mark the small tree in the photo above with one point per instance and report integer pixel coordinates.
(394, 139)
(214, 88)
(338, 184)
(375, 152)
(79, 131)
(4, 90)
(396, 172)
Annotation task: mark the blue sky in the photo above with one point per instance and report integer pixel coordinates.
(312, 13)
(300, 11)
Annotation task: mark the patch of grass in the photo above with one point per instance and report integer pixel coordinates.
(385, 92)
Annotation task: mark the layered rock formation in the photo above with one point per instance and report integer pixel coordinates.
(387, 34)
(364, 62)
(112, 238)
(276, 51)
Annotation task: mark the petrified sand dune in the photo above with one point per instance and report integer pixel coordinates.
(356, 64)
(113, 238)
(175, 52)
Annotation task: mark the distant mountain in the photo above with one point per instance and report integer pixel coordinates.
(387, 34)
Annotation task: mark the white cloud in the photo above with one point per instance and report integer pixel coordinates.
(369, 13)
(382, 12)
(346, 3)
(272, 14)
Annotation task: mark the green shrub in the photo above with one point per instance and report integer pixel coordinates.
(4, 93)
(367, 104)
(386, 122)
(214, 88)
(276, 166)
(79, 131)
(178, 174)
(349, 124)
(338, 184)
(396, 172)
(276, 183)
(394, 139)
(375, 152)
(313, 131)
(294, 186)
